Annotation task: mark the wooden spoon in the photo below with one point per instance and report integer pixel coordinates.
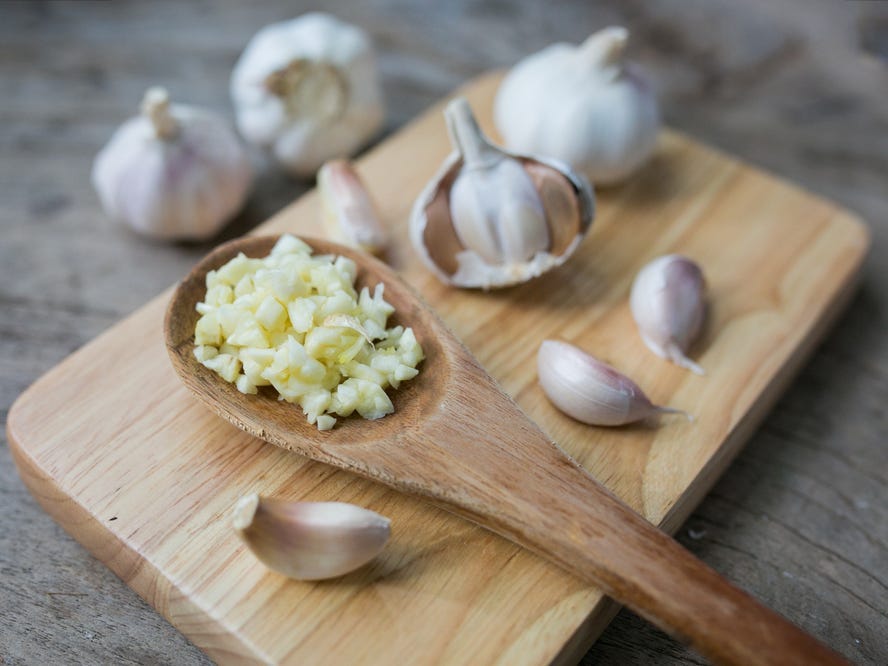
(458, 441)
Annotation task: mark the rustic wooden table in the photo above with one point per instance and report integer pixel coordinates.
(799, 87)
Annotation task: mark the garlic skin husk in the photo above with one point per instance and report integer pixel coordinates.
(584, 105)
(490, 218)
(668, 303)
(348, 213)
(308, 90)
(310, 540)
(175, 172)
(589, 390)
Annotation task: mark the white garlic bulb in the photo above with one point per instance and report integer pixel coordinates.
(583, 105)
(308, 90)
(590, 391)
(174, 173)
(491, 218)
(310, 540)
(668, 305)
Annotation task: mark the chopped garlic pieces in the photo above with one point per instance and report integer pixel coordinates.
(294, 321)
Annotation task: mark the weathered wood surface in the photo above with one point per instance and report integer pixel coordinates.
(798, 87)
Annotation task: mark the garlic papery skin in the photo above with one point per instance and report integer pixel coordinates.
(583, 105)
(668, 303)
(310, 540)
(173, 173)
(490, 218)
(308, 90)
(348, 212)
(589, 390)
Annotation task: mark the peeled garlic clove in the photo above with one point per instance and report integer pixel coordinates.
(493, 219)
(310, 540)
(582, 104)
(308, 90)
(590, 391)
(668, 304)
(174, 173)
(348, 213)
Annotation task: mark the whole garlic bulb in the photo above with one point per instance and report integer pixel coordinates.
(307, 89)
(174, 173)
(583, 105)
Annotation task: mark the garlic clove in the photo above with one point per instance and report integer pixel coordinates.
(668, 305)
(490, 218)
(348, 212)
(591, 391)
(584, 105)
(310, 540)
(175, 172)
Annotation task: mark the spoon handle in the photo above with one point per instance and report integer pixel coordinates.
(575, 522)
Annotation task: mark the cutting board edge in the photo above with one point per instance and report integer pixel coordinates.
(98, 540)
(70, 514)
(233, 647)
(784, 376)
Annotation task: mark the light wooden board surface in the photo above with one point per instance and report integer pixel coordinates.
(120, 454)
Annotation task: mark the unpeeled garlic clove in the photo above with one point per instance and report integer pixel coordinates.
(310, 540)
(493, 219)
(668, 304)
(589, 390)
(348, 212)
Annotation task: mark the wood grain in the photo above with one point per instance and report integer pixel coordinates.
(501, 472)
(795, 86)
(192, 466)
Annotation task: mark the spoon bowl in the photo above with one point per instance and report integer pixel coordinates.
(280, 422)
(457, 440)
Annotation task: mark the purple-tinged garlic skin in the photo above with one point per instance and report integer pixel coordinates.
(174, 172)
(348, 212)
(668, 303)
(589, 390)
(310, 540)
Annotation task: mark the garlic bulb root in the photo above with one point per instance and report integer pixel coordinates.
(491, 218)
(668, 304)
(308, 90)
(310, 540)
(348, 212)
(583, 105)
(591, 391)
(175, 172)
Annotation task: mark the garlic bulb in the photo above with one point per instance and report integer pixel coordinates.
(668, 304)
(308, 90)
(490, 218)
(310, 540)
(590, 391)
(174, 173)
(583, 105)
(348, 213)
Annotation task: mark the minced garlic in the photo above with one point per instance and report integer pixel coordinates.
(295, 322)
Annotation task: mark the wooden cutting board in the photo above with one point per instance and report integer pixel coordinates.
(121, 455)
